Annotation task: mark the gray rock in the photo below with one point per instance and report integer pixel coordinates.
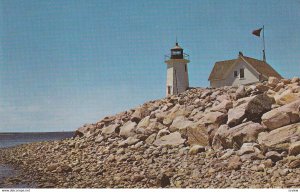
(240, 92)
(109, 129)
(226, 137)
(162, 133)
(99, 139)
(179, 123)
(286, 97)
(295, 164)
(282, 116)
(234, 163)
(252, 109)
(273, 155)
(197, 135)
(294, 148)
(247, 148)
(273, 81)
(139, 113)
(281, 138)
(217, 118)
(223, 107)
(127, 129)
(129, 141)
(151, 138)
(144, 122)
(173, 139)
(196, 149)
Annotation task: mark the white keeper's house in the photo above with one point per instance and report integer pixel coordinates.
(240, 71)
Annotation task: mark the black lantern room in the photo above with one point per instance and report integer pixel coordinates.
(177, 52)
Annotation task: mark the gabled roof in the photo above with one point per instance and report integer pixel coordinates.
(222, 68)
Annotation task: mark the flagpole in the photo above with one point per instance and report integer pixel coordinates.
(264, 46)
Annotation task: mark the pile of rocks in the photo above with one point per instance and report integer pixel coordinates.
(249, 134)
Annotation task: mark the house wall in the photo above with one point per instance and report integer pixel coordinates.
(251, 76)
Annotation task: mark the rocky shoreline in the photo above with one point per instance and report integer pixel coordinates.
(230, 137)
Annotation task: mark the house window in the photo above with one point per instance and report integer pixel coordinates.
(235, 74)
(242, 73)
(185, 67)
(169, 89)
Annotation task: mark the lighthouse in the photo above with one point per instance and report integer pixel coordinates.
(177, 71)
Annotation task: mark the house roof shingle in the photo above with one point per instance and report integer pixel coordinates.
(222, 68)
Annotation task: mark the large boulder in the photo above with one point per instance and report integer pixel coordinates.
(248, 148)
(240, 92)
(273, 81)
(154, 125)
(173, 139)
(294, 148)
(140, 113)
(223, 107)
(129, 141)
(86, 130)
(176, 111)
(180, 123)
(280, 139)
(196, 149)
(286, 97)
(127, 129)
(197, 135)
(234, 163)
(150, 139)
(217, 118)
(226, 137)
(144, 122)
(274, 156)
(281, 116)
(251, 109)
(261, 87)
(109, 129)
(162, 133)
(236, 115)
(108, 120)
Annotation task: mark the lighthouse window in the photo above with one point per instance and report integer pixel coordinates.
(176, 52)
(185, 67)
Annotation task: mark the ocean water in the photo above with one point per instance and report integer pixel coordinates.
(13, 139)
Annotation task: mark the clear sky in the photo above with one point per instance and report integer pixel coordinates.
(65, 63)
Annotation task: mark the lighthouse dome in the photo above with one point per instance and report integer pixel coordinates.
(177, 47)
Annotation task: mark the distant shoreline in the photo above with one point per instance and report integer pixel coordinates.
(16, 138)
(4, 133)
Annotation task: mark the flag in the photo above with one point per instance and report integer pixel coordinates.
(257, 32)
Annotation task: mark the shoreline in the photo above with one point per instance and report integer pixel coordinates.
(203, 167)
(14, 174)
(12, 177)
(8, 133)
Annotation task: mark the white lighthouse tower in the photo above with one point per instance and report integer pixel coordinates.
(177, 71)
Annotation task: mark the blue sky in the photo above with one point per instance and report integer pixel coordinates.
(66, 63)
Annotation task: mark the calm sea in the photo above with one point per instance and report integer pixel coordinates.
(13, 139)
